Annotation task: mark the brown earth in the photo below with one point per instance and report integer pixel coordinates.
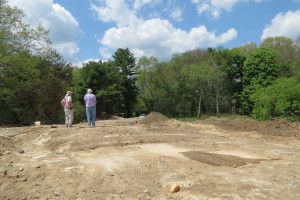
(141, 158)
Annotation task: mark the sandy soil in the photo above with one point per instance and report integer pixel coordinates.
(141, 158)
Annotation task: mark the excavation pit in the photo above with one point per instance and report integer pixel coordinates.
(219, 159)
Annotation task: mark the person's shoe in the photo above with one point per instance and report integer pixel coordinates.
(93, 126)
(70, 125)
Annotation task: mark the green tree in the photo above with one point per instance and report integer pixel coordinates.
(106, 81)
(197, 75)
(231, 63)
(260, 69)
(55, 77)
(281, 99)
(32, 90)
(32, 75)
(146, 68)
(17, 36)
(198, 81)
(247, 49)
(126, 63)
(286, 50)
(155, 86)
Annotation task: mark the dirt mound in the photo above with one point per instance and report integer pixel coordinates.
(277, 126)
(153, 117)
(5, 143)
(101, 162)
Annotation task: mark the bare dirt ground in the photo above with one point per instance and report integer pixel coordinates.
(141, 158)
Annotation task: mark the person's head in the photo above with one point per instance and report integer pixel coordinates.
(89, 91)
(69, 93)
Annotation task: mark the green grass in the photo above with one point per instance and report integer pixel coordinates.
(187, 119)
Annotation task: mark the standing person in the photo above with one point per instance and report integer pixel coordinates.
(67, 104)
(90, 103)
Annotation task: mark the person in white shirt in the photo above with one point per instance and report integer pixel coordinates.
(67, 104)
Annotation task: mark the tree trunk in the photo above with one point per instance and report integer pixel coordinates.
(217, 102)
(199, 106)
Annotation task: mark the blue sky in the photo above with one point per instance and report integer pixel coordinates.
(83, 30)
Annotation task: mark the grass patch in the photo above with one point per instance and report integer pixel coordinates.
(187, 119)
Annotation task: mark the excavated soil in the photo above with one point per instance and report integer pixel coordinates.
(141, 158)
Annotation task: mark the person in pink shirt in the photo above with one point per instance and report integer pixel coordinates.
(90, 104)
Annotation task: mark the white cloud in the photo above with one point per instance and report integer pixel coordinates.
(105, 52)
(175, 11)
(115, 11)
(284, 24)
(176, 14)
(62, 25)
(153, 37)
(138, 4)
(216, 7)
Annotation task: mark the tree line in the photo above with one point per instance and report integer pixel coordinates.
(261, 81)
(258, 81)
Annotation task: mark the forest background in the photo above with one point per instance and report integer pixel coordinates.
(261, 81)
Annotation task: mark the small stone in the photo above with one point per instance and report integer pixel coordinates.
(21, 169)
(147, 191)
(3, 171)
(21, 151)
(174, 188)
(24, 180)
(56, 194)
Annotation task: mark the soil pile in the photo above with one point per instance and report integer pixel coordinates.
(153, 117)
(6, 144)
(277, 126)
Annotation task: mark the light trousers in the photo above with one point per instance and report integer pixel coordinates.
(69, 117)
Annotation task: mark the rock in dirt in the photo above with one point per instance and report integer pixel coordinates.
(147, 191)
(174, 188)
(3, 171)
(56, 194)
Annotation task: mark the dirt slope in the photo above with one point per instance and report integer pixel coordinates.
(140, 158)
